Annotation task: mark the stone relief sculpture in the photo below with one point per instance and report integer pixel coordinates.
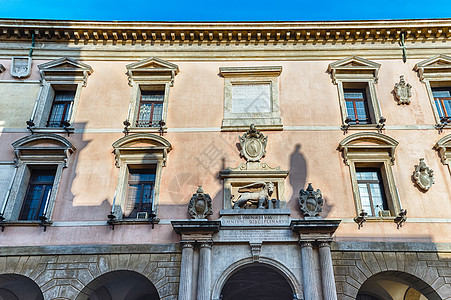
(311, 201)
(253, 144)
(403, 91)
(254, 194)
(424, 177)
(21, 67)
(199, 206)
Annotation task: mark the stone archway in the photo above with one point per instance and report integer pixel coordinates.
(257, 281)
(391, 285)
(119, 285)
(17, 287)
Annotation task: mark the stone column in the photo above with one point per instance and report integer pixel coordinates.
(186, 271)
(327, 272)
(310, 281)
(204, 279)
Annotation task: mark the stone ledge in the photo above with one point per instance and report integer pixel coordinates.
(391, 246)
(89, 249)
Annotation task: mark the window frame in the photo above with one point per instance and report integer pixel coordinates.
(435, 72)
(266, 75)
(372, 150)
(140, 182)
(153, 151)
(149, 74)
(153, 102)
(58, 75)
(37, 151)
(65, 112)
(356, 72)
(365, 104)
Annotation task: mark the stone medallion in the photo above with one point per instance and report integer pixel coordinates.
(424, 177)
(253, 145)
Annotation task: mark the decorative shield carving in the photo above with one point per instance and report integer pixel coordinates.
(424, 177)
(403, 91)
(199, 206)
(311, 201)
(21, 67)
(253, 144)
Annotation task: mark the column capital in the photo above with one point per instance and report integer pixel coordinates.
(187, 244)
(206, 244)
(304, 244)
(323, 244)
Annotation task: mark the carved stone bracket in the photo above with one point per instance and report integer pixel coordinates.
(423, 175)
(311, 201)
(255, 250)
(199, 206)
(403, 91)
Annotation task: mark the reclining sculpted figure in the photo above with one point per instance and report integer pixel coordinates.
(257, 193)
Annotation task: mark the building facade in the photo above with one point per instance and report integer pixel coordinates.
(273, 160)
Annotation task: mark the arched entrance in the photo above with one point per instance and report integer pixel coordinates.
(257, 282)
(119, 285)
(396, 285)
(17, 287)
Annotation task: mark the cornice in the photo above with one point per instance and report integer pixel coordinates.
(275, 32)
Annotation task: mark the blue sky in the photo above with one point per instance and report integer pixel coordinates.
(222, 10)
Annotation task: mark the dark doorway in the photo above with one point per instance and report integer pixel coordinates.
(119, 285)
(17, 287)
(257, 282)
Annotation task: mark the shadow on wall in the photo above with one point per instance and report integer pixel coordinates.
(298, 173)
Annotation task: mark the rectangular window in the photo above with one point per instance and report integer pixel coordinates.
(371, 190)
(141, 189)
(38, 194)
(61, 108)
(442, 98)
(150, 109)
(357, 106)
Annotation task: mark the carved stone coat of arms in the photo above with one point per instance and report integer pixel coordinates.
(21, 67)
(253, 145)
(424, 177)
(403, 91)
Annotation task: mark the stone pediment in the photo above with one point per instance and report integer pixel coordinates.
(435, 67)
(142, 145)
(42, 147)
(354, 66)
(368, 145)
(152, 69)
(65, 69)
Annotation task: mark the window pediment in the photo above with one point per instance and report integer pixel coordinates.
(140, 147)
(65, 69)
(443, 146)
(369, 145)
(43, 147)
(437, 67)
(354, 67)
(152, 69)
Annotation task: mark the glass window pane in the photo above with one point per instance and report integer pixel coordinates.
(64, 96)
(157, 114)
(353, 95)
(350, 109)
(447, 104)
(152, 95)
(57, 114)
(438, 94)
(439, 108)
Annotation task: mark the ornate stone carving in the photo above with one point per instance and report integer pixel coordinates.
(257, 193)
(311, 201)
(253, 144)
(403, 91)
(199, 206)
(255, 250)
(424, 177)
(21, 67)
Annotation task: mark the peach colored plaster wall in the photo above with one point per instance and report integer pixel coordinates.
(307, 97)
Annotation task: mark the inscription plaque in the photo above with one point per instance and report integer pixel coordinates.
(256, 235)
(251, 98)
(255, 220)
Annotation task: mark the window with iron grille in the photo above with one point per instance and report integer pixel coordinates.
(150, 109)
(371, 190)
(38, 194)
(61, 108)
(141, 191)
(357, 106)
(442, 98)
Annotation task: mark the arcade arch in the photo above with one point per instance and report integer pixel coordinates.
(17, 287)
(119, 285)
